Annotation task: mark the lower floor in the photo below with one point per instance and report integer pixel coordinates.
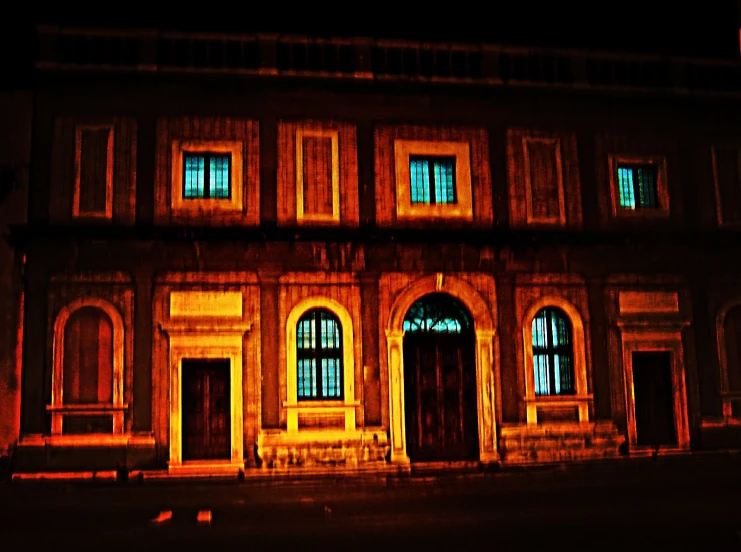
(196, 372)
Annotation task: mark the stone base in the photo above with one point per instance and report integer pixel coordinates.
(553, 443)
(314, 449)
(720, 435)
(49, 454)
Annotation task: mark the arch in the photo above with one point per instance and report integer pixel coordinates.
(348, 360)
(58, 406)
(453, 317)
(580, 398)
(484, 330)
(728, 395)
(453, 286)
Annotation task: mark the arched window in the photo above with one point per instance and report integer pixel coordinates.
(319, 356)
(87, 379)
(87, 376)
(732, 333)
(553, 353)
(437, 313)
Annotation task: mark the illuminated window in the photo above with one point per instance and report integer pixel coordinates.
(437, 313)
(432, 179)
(319, 356)
(637, 186)
(206, 175)
(553, 356)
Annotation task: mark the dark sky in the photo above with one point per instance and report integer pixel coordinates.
(688, 28)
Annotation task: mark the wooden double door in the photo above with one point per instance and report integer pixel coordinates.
(206, 409)
(440, 397)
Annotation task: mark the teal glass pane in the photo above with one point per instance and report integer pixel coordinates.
(219, 176)
(194, 176)
(625, 185)
(445, 181)
(419, 174)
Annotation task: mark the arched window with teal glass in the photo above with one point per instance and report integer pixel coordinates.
(553, 353)
(319, 356)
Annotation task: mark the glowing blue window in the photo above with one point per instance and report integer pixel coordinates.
(432, 180)
(438, 313)
(553, 355)
(319, 356)
(637, 185)
(206, 175)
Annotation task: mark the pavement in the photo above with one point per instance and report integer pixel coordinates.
(691, 502)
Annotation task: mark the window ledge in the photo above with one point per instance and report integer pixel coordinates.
(322, 405)
(86, 408)
(558, 399)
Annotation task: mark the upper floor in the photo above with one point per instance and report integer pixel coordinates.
(195, 130)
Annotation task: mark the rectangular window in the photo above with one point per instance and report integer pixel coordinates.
(206, 175)
(544, 194)
(432, 180)
(93, 193)
(317, 176)
(637, 185)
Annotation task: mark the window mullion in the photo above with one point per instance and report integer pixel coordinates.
(431, 172)
(206, 176)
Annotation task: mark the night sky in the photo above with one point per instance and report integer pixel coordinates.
(651, 26)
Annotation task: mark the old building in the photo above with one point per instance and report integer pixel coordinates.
(276, 253)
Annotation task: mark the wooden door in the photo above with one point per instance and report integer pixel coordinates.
(654, 399)
(440, 397)
(206, 410)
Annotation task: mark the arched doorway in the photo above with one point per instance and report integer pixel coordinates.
(440, 380)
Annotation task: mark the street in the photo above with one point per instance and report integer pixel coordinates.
(669, 504)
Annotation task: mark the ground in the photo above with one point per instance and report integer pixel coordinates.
(690, 503)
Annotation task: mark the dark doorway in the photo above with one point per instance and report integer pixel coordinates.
(206, 409)
(654, 398)
(440, 381)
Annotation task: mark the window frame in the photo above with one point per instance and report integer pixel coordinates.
(346, 406)
(551, 350)
(117, 407)
(461, 151)
(581, 399)
(107, 213)
(301, 216)
(662, 193)
(178, 201)
(317, 355)
(727, 395)
(559, 219)
(716, 183)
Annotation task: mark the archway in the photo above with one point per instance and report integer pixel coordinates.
(440, 380)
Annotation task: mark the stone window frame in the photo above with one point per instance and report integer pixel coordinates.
(301, 217)
(236, 184)
(662, 190)
(726, 394)
(581, 399)
(405, 209)
(560, 219)
(345, 406)
(117, 407)
(108, 212)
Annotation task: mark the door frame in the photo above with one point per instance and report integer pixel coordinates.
(656, 340)
(192, 344)
(207, 368)
(486, 361)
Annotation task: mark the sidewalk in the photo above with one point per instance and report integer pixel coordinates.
(698, 464)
